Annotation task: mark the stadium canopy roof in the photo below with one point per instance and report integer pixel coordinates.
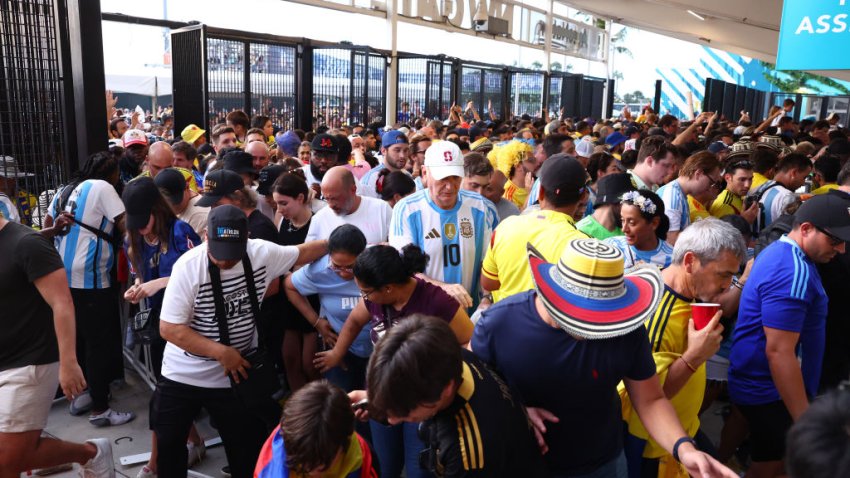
(746, 27)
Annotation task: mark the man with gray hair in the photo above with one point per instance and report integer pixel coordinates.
(706, 257)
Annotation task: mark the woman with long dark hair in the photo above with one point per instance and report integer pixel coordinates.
(155, 240)
(292, 197)
(645, 229)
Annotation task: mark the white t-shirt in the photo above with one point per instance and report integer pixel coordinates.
(372, 217)
(189, 301)
(311, 180)
(195, 215)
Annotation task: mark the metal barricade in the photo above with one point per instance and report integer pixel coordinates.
(349, 85)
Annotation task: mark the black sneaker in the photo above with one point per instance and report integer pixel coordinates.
(225, 471)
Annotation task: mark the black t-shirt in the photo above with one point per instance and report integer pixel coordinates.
(261, 227)
(27, 336)
(292, 237)
(485, 432)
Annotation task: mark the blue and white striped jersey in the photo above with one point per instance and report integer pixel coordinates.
(675, 206)
(456, 239)
(87, 257)
(8, 209)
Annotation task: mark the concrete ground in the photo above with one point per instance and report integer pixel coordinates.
(129, 439)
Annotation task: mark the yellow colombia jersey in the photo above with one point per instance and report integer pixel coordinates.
(726, 204)
(668, 336)
(824, 189)
(758, 180)
(506, 261)
(697, 210)
(515, 194)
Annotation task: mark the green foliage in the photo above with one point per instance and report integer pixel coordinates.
(799, 81)
(636, 96)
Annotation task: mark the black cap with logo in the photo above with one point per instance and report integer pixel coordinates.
(227, 233)
(828, 212)
(218, 184)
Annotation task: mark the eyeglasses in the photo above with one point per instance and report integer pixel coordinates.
(718, 185)
(343, 269)
(365, 294)
(833, 240)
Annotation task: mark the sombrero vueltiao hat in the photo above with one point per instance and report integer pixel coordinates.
(588, 295)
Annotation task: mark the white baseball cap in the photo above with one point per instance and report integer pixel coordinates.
(584, 148)
(444, 159)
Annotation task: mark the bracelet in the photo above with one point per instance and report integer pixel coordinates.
(320, 318)
(684, 439)
(693, 369)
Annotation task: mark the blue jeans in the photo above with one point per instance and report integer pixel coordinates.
(397, 447)
(352, 379)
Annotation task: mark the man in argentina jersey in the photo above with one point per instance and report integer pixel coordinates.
(395, 149)
(778, 343)
(88, 255)
(196, 366)
(775, 195)
(452, 226)
(699, 173)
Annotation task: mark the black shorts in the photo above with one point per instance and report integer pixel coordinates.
(769, 423)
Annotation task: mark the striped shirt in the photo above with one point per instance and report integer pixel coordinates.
(675, 206)
(661, 256)
(189, 301)
(8, 209)
(88, 258)
(774, 200)
(455, 239)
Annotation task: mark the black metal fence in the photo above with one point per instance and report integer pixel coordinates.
(425, 86)
(527, 92)
(31, 99)
(730, 99)
(349, 85)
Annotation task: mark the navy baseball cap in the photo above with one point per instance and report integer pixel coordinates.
(173, 183)
(218, 184)
(227, 233)
(138, 197)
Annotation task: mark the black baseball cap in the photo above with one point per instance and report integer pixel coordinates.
(239, 162)
(138, 197)
(268, 175)
(173, 183)
(611, 188)
(563, 175)
(218, 184)
(227, 233)
(325, 143)
(828, 212)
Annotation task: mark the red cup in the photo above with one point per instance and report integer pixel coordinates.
(703, 313)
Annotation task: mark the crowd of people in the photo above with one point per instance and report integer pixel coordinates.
(533, 297)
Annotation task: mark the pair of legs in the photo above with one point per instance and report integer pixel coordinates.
(769, 424)
(175, 405)
(28, 450)
(98, 341)
(25, 397)
(397, 448)
(298, 351)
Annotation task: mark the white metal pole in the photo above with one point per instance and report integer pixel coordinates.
(392, 72)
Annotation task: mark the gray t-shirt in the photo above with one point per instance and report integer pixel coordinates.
(506, 209)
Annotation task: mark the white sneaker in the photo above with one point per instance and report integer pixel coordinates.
(146, 472)
(111, 418)
(101, 466)
(196, 453)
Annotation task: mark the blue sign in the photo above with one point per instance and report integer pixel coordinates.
(814, 35)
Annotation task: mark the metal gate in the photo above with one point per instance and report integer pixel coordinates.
(31, 98)
(217, 71)
(526, 92)
(425, 85)
(484, 86)
(349, 86)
